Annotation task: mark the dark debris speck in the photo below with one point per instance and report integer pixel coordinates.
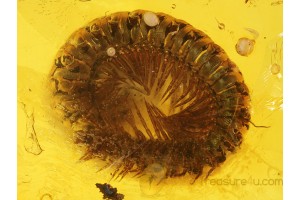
(109, 193)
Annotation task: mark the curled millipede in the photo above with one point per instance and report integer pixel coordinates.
(137, 94)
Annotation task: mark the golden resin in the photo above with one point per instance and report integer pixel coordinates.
(50, 164)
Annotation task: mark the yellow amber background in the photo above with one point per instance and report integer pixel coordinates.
(49, 165)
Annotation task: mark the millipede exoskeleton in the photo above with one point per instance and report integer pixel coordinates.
(142, 88)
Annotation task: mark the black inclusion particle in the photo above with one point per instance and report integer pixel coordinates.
(140, 88)
(109, 192)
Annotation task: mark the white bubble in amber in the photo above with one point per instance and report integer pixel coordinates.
(150, 19)
(111, 51)
(244, 46)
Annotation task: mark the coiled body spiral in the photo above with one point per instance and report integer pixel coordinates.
(144, 88)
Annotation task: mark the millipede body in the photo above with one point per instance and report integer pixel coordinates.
(140, 88)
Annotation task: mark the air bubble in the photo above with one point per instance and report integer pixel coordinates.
(244, 46)
(151, 181)
(275, 69)
(46, 197)
(94, 28)
(150, 19)
(67, 60)
(221, 26)
(111, 51)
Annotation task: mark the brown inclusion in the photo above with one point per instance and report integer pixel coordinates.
(156, 97)
(169, 95)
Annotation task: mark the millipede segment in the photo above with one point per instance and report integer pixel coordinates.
(145, 88)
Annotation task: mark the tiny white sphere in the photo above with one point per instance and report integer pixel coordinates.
(150, 19)
(111, 51)
(244, 46)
